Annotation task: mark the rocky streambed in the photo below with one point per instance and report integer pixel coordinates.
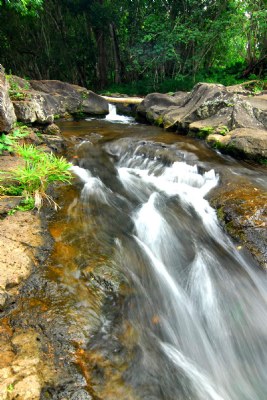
(48, 350)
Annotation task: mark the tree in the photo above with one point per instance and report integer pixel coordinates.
(23, 6)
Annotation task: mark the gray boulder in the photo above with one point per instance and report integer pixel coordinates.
(251, 142)
(7, 113)
(72, 98)
(204, 101)
(42, 100)
(36, 107)
(155, 104)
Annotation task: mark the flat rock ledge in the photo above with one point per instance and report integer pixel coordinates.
(230, 120)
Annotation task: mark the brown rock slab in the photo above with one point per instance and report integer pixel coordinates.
(24, 369)
(20, 237)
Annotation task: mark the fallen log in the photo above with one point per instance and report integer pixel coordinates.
(125, 100)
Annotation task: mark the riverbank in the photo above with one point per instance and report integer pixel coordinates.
(48, 368)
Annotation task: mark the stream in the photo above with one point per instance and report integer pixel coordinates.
(158, 301)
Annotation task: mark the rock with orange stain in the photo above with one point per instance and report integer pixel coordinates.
(24, 368)
(155, 319)
(20, 241)
(242, 209)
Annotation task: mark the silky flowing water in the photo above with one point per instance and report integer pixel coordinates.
(160, 302)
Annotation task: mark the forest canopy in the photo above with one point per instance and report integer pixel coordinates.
(147, 45)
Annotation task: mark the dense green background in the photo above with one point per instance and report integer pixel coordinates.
(137, 46)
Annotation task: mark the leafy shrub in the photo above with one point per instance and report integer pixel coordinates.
(7, 142)
(39, 171)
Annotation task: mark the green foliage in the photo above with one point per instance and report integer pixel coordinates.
(11, 190)
(15, 91)
(25, 205)
(40, 170)
(23, 7)
(10, 387)
(222, 130)
(7, 142)
(152, 46)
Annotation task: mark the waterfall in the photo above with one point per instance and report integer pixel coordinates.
(199, 309)
(114, 117)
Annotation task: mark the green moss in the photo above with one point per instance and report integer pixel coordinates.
(159, 121)
(85, 95)
(216, 144)
(222, 130)
(220, 214)
(202, 133)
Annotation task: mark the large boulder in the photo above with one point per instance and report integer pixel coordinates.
(41, 100)
(72, 98)
(155, 104)
(207, 105)
(204, 101)
(93, 104)
(241, 142)
(248, 141)
(7, 113)
(36, 107)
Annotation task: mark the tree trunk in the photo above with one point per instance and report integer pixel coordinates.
(116, 53)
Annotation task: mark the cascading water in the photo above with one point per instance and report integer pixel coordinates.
(198, 308)
(114, 117)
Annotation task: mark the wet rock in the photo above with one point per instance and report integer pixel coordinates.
(81, 395)
(7, 113)
(26, 368)
(54, 142)
(242, 210)
(126, 109)
(52, 129)
(19, 241)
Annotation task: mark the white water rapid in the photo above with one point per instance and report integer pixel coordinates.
(114, 117)
(199, 308)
